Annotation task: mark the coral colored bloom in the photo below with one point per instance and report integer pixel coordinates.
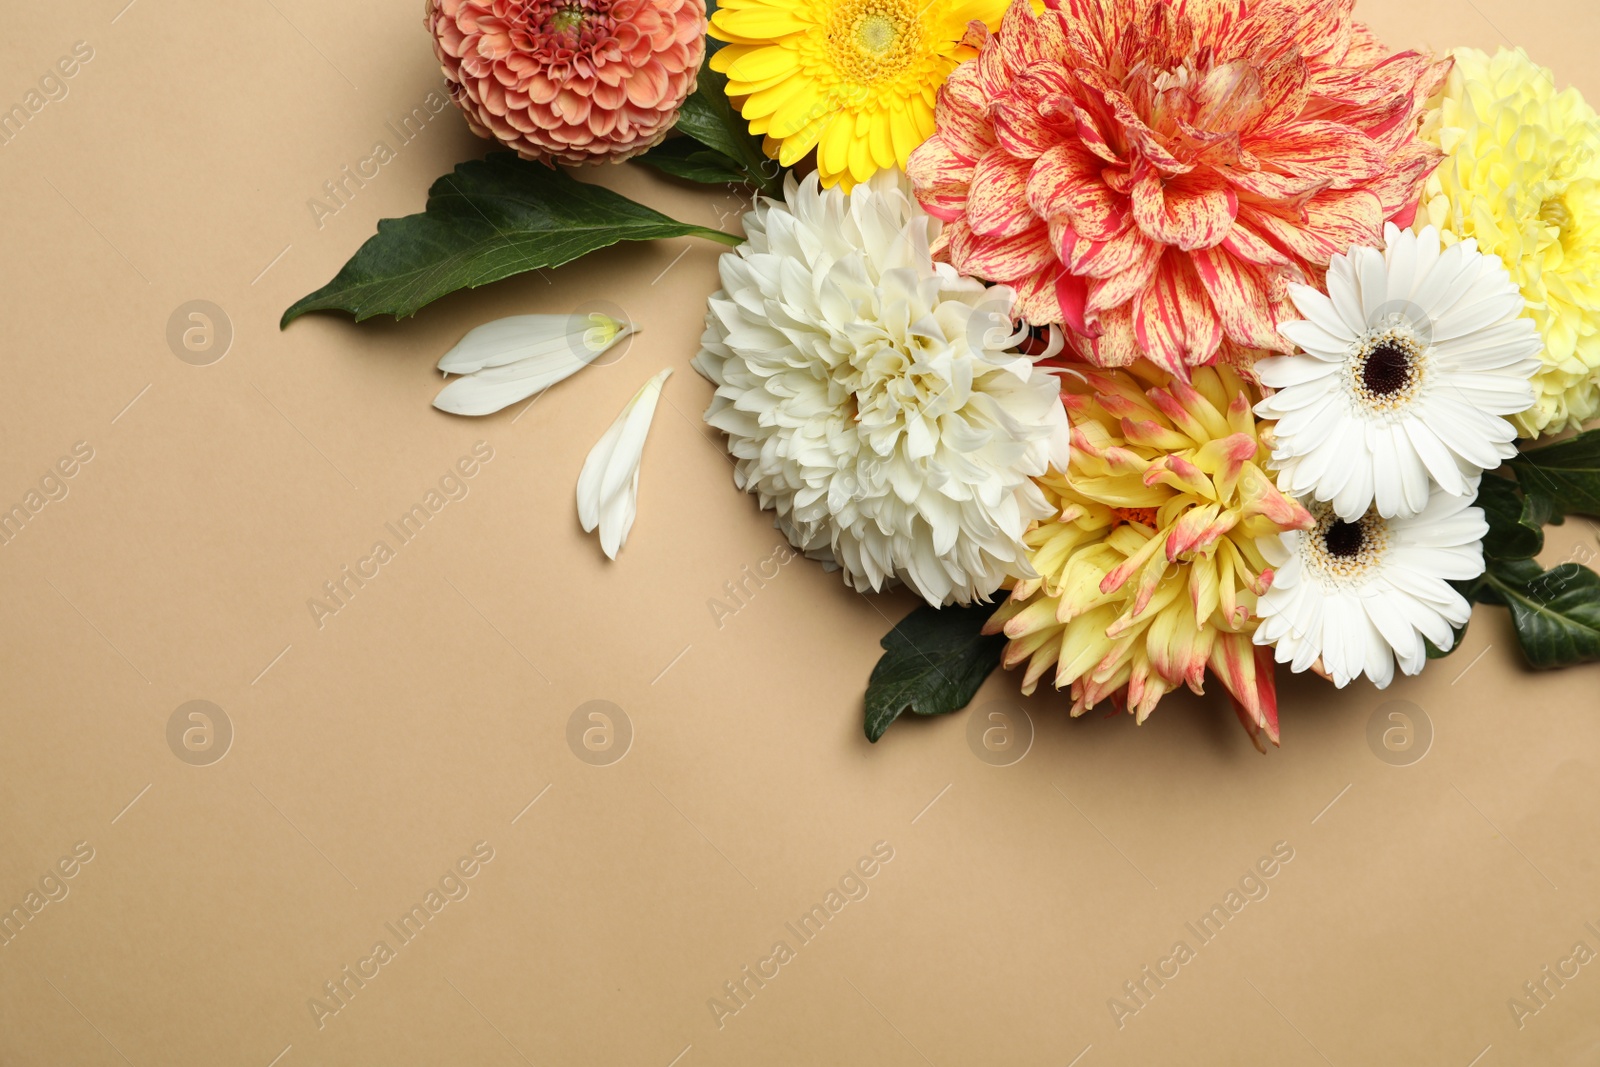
(1154, 173)
(570, 81)
(1522, 175)
(854, 79)
(1151, 568)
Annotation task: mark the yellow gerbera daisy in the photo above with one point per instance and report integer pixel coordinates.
(854, 79)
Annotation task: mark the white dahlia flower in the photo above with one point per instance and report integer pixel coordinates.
(873, 399)
(1411, 364)
(1358, 595)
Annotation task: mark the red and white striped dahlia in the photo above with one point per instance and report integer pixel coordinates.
(570, 81)
(1154, 173)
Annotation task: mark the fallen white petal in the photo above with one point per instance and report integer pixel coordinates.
(510, 359)
(608, 486)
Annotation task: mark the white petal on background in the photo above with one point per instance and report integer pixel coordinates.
(510, 359)
(608, 487)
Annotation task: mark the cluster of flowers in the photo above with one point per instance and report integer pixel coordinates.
(1187, 328)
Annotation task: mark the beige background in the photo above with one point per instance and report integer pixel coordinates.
(370, 754)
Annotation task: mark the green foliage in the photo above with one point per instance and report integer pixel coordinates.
(1555, 612)
(708, 117)
(933, 662)
(1563, 478)
(488, 220)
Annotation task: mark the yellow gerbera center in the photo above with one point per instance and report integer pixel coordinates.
(876, 33)
(872, 39)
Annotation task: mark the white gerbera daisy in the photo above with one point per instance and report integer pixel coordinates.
(872, 398)
(1410, 364)
(1359, 594)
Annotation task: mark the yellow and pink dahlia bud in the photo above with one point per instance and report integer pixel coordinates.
(1153, 174)
(570, 81)
(1150, 571)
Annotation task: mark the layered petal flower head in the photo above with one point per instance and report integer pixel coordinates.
(1154, 173)
(872, 398)
(510, 359)
(1358, 595)
(1410, 364)
(854, 79)
(1150, 568)
(570, 81)
(608, 485)
(1521, 176)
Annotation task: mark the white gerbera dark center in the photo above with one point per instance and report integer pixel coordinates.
(1342, 552)
(1413, 358)
(1386, 371)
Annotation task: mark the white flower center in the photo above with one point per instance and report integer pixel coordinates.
(1387, 367)
(1342, 552)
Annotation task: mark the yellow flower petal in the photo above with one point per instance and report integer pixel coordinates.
(855, 78)
(761, 64)
(767, 21)
(833, 150)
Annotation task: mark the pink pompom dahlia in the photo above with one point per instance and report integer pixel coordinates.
(1154, 173)
(574, 81)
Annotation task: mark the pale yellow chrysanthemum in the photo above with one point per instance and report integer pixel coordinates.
(854, 79)
(1521, 174)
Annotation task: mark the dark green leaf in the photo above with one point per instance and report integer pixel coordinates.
(1556, 612)
(683, 157)
(933, 662)
(1565, 476)
(708, 116)
(1509, 537)
(490, 219)
(1539, 508)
